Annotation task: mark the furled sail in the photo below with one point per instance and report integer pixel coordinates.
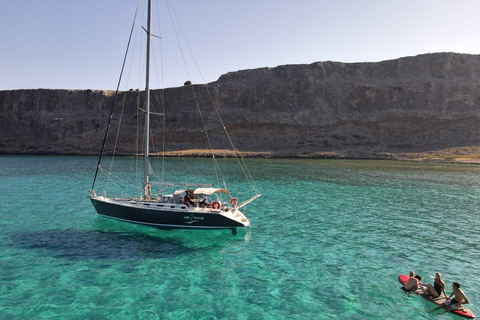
(150, 171)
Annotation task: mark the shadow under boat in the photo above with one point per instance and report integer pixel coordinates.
(122, 244)
(97, 244)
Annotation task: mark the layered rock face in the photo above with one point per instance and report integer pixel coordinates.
(413, 104)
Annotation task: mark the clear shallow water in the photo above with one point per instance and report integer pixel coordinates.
(328, 240)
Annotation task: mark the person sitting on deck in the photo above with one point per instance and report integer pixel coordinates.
(187, 198)
(204, 201)
(412, 283)
(437, 288)
(458, 300)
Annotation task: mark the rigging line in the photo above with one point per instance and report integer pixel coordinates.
(160, 175)
(135, 42)
(216, 175)
(245, 170)
(248, 176)
(155, 66)
(236, 153)
(162, 94)
(140, 60)
(255, 189)
(137, 142)
(154, 134)
(141, 63)
(118, 134)
(114, 101)
(243, 166)
(247, 173)
(169, 4)
(162, 99)
(170, 10)
(161, 48)
(157, 130)
(217, 167)
(108, 175)
(186, 41)
(116, 142)
(132, 163)
(201, 75)
(162, 102)
(183, 158)
(161, 82)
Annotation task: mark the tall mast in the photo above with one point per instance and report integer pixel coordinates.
(147, 103)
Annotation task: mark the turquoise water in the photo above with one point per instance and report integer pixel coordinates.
(328, 240)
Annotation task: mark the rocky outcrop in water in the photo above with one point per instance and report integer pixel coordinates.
(414, 104)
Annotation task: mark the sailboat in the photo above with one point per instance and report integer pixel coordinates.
(189, 206)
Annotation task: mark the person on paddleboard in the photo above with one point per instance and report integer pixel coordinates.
(437, 288)
(458, 300)
(412, 283)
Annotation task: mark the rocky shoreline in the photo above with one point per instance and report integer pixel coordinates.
(443, 156)
(451, 155)
(422, 108)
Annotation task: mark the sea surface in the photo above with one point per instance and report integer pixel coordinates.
(328, 241)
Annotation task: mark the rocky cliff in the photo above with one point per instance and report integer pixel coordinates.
(409, 105)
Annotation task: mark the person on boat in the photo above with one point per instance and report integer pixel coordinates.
(437, 288)
(204, 201)
(412, 274)
(458, 300)
(187, 199)
(412, 283)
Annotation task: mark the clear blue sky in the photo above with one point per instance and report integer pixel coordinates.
(72, 44)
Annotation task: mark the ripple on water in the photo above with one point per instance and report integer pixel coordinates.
(328, 240)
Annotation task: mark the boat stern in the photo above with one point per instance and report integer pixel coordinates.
(238, 217)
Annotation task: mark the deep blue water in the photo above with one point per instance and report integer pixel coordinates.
(328, 241)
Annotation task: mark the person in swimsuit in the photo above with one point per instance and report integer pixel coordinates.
(437, 288)
(412, 283)
(458, 300)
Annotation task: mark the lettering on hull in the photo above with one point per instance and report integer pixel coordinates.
(192, 218)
